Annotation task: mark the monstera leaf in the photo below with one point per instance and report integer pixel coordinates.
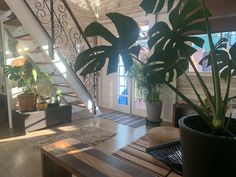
(218, 47)
(225, 60)
(172, 49)
(166, 64)
(155, 6)
(93, 59)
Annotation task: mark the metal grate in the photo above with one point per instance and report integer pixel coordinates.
(170, 154)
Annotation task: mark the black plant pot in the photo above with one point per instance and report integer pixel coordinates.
(53, 105)
(204, 154)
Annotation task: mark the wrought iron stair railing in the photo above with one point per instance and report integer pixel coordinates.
(66, 35)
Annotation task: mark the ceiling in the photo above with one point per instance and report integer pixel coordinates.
(98, 8)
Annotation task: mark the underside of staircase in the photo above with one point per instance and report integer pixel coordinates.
(59, 73)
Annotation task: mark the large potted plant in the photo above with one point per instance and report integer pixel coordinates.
(208, 138)
(150, 91)
(27, 75)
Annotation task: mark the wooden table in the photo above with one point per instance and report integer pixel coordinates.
(69, 156)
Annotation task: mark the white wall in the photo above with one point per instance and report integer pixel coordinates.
(107, 83)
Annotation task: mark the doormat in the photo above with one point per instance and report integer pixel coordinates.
(87, 135)
(125, 119)
(135, 154)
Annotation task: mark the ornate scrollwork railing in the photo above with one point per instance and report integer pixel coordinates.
(61, 26)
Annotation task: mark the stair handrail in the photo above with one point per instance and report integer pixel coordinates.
(76, 22)
(65, 61)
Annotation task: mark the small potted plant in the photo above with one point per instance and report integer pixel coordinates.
(27, 75)
(42, 103)
(54, 100)
(151, 92)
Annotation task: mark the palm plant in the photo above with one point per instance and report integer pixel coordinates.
(150, 91)
(171, 55)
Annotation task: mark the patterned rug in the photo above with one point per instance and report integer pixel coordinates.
(87, 135)
(135, 154)
(125, 119)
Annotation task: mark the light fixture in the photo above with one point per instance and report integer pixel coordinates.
(97, 8)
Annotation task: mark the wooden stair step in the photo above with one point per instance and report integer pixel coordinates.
(43, 62)
(26, 37)
(70, 94)
(61, 85)
(77, 103)
(54, 75)
(13, 21)
(36, 50)
(4, 6)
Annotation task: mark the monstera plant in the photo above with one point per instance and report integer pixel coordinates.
(203, 136)
(27, 76)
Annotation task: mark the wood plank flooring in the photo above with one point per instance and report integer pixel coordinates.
(19, 157)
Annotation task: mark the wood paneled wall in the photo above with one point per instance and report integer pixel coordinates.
(184, 86)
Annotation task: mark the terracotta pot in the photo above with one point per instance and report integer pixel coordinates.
(27, 102)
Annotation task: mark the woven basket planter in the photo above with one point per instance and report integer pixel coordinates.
(27, 102)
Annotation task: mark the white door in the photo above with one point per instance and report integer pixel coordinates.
(138, 106)
(122, 93)
(126, 97)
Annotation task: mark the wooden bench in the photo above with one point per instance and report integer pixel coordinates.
(69, 156)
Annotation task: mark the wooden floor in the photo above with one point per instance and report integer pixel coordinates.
(19, 157)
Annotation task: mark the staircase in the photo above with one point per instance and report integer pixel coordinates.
(50, 53)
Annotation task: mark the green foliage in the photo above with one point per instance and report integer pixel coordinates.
(56, 97)
(171, 57)
(171, 49)
(92, 60)
(153, 6)
(149, 90)
(27, 76)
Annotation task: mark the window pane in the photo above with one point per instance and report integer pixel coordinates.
(201, 52)
(123, 100)
(122, 81)
(140, 103)
(121, 70)
(122, 84)
(123, 91)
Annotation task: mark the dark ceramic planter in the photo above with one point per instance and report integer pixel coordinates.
(205, 155)
(53, 105)
(154, 110)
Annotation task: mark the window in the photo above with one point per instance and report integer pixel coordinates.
(122, 84)
(197, 56)
(139, 101)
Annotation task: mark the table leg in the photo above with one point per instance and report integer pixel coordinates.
(52, 169)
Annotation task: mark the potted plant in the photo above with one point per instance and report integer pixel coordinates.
(208, 139)
(150, 91)
(54, 100)
(27, 75)
(42, 103)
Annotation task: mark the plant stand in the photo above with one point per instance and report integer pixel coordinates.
(30, 121)
(151, 122)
